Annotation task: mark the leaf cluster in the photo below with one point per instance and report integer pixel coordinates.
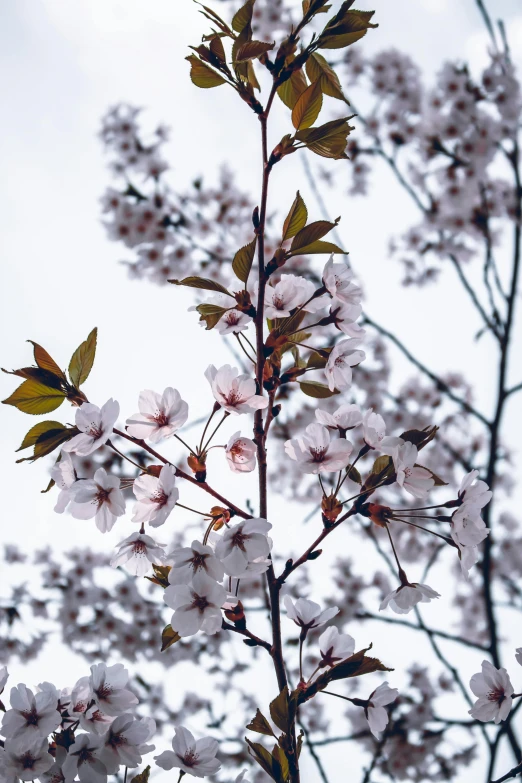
(43, 390)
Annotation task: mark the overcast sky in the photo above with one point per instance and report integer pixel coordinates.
(64, 63)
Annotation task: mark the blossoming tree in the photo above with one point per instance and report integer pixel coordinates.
(318, 421)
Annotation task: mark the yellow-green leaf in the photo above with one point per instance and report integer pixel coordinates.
(316, 389)
(169, 637)
(46, 437)
(252, 49)
(317, 69)
(46, 362)
(260, 724)
(311, 233)
(40, 429)
(328, 140)
(82, 359)
(296, 218)
(292, 88)
(308, 106)
(203, 75)
(242, 262)
(35, 398)
(203, 283)
(279, 711)
(243, 17)
(318, 247)
(143, 777)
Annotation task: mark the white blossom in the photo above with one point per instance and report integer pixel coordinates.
(126, 742)
(190, 560)
(194, 757)
(136, 553)
(95, 425)
(242, 544)
(335, 647)
(95, 721)
(405, 597)
(4, 674)
(25, 761)
(31, 715)
(64, 476)
(196, 606)
(346, 417)
(343, 356)
(337, 279)
(241, 454)
(156, 496)
(83, 760)
(415, 480)
(235, 393)
(232, 322)
(494, 691)
(474, 493)
(160, 416)
(375, 436)
(376, 715)
(307, 614)
(99, 497)
(107, 688)
(315, 452)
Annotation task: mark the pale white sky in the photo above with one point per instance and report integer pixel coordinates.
(64, 64)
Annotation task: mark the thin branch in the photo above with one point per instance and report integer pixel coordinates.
(439, 383)
(441, 634)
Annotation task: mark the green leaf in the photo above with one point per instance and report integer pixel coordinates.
(260, 724)
(46, 436)
(242, 262)
(40, 429)
(317, 248)
(328, 140)
(316, 389)
(82, 359)
(310, 233)
(44, 377)
(318, 359)
(296, 218)
(211, 314)
(420, 438)
(262, 756)
(318, 69)
(280, 756)
(279, 711)
(308, 106)
(346, 27)
(290, 91)
(381, 463)
(252, 49)
(353, 474)
(46, 362)
(202, 282)
(169, 637)
(142, 777)
(203, 75)
(35, 398)
(243, 17)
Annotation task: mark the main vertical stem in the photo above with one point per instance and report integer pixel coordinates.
(259, 430)
(491, 475)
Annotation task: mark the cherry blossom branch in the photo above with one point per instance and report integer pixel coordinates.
(513, 773)
(181, 474)
(439, 383)
(245, 632)
(407, 624)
